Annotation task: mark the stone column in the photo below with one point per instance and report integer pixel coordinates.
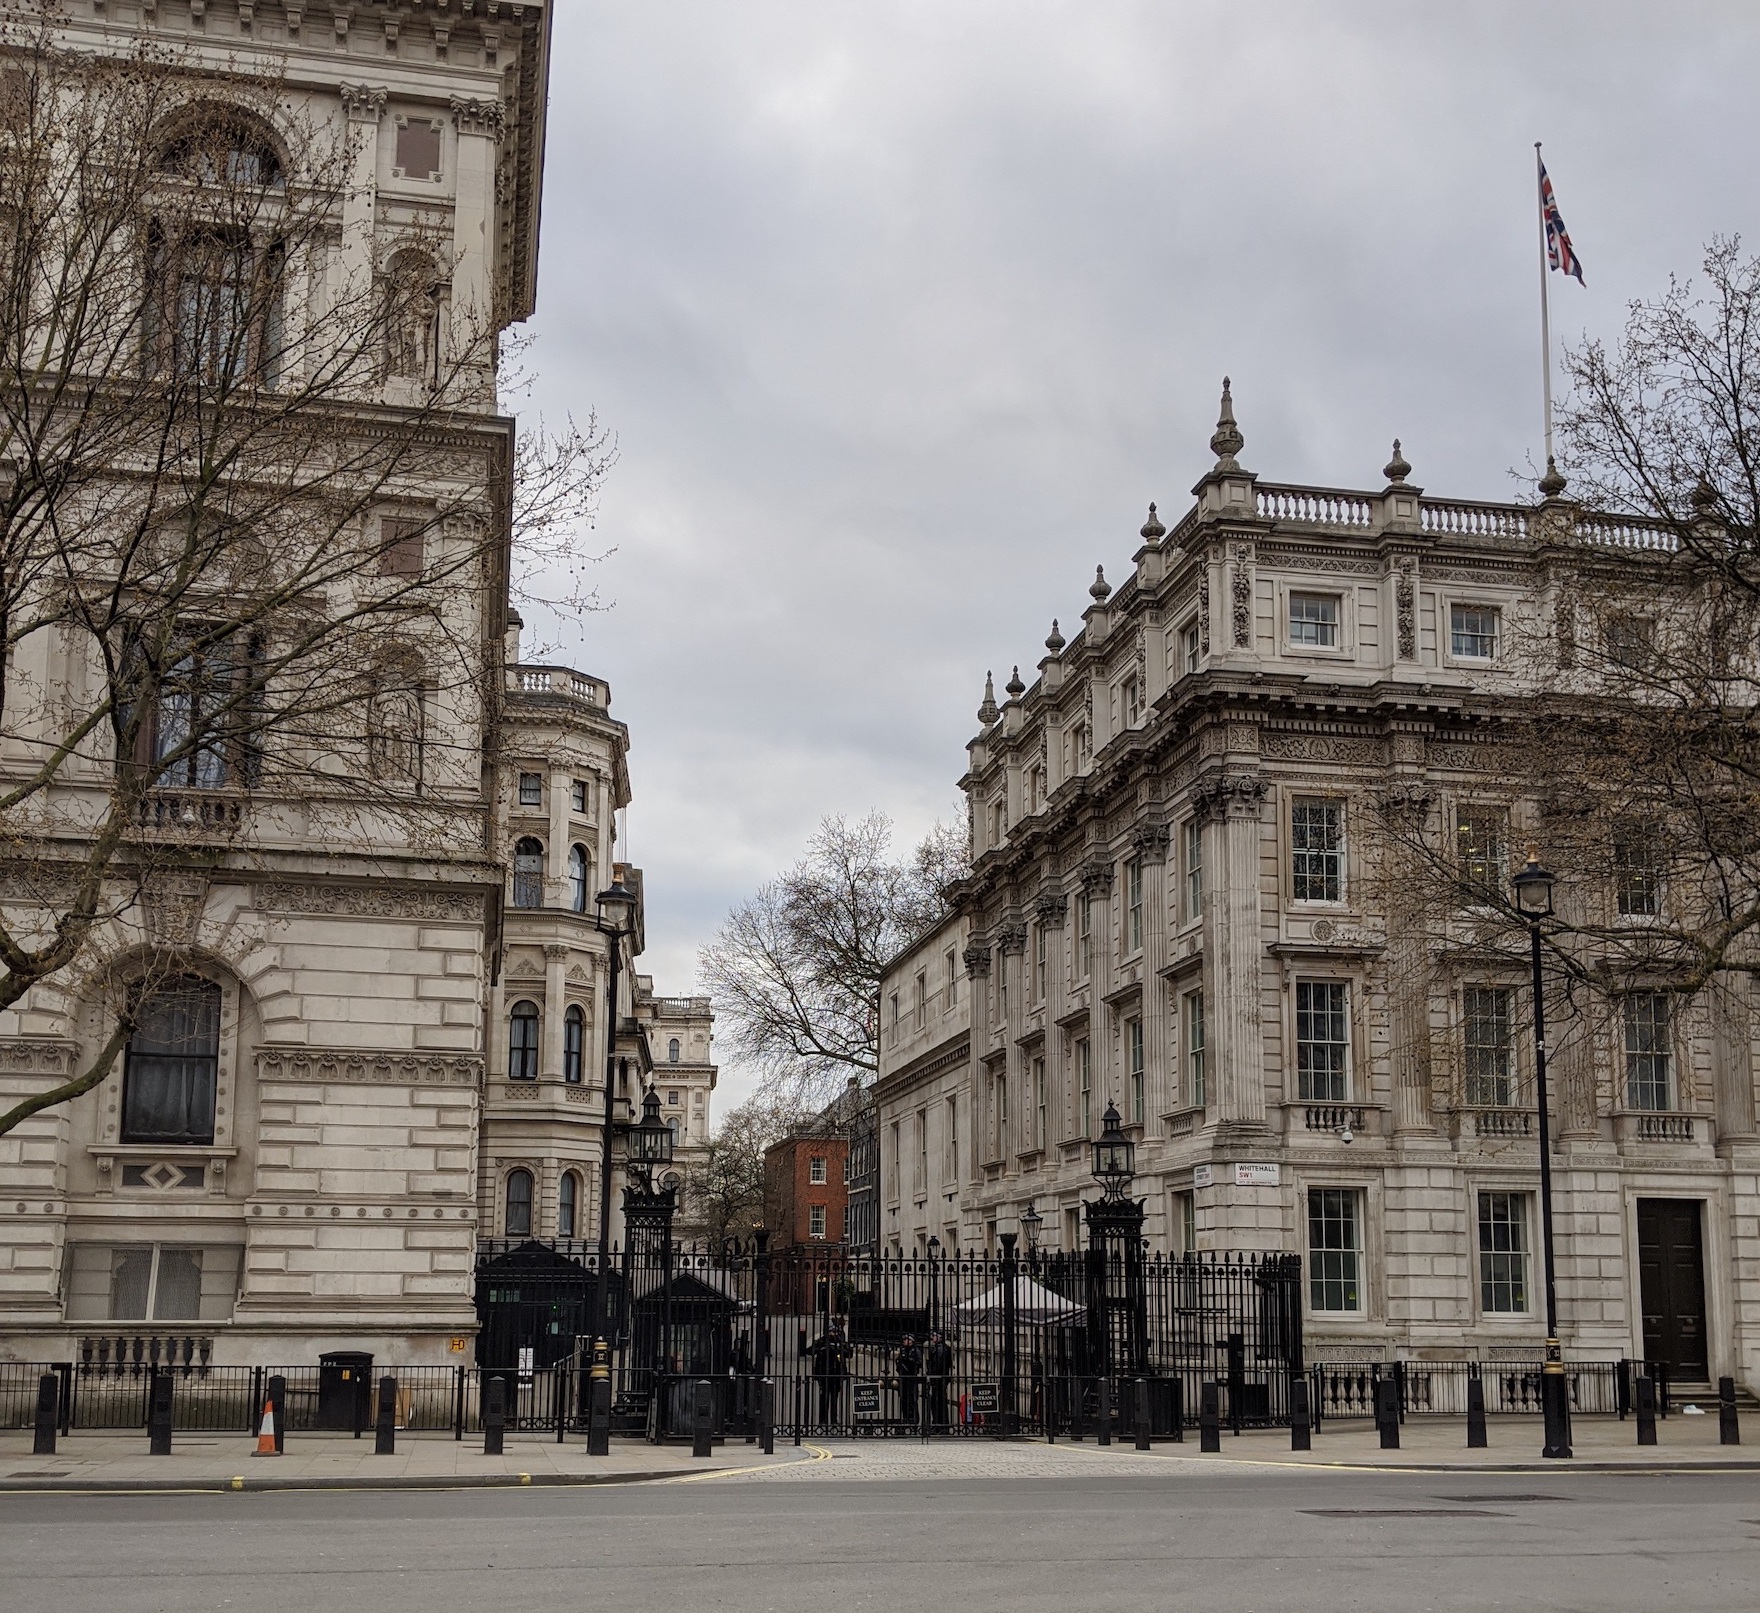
(364, 105)
(1052, 911)
(1011, 955)
(1097, 881)
(1231, 802)
(1150, 842)
(479, 135)
(559, 778)
(555, 961)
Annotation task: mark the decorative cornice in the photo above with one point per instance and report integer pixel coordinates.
(1051, 907)
(1234, 795)
(389, 1069)
(38, 1057)
(364, 102)
(479, 117)
(369, 901)
(1097, 875)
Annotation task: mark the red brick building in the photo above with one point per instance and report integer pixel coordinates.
(806, 1208)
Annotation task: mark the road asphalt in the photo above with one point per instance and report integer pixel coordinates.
(901, 1527)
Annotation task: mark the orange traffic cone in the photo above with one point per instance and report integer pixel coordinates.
(266, 1432)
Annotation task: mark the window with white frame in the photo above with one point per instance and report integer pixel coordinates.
(816, 1169)
(577, 795)
(1084, 1088)
(1183, 1230)
(1323, 1048)
(1040, 962)
(531, 789)
(1637, 870)
(1189, 641)
(1481, 846)
(1133, 888)
(1133, 1063)
(950, 1164)
(920, 1177)
(1472, 632)
(922, 987)
(1649, 1062)
(952, 961)
(1131, 701)
(1316, 839)
(1313, 621)
(1193, 1006)
(1503, 1253)
(1192, 849)
(816, 1221)
(1489, 1046)
(1084, 935)
(1335, 1249)
(1039, 1131)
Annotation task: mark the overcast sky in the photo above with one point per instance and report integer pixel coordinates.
(902, 313)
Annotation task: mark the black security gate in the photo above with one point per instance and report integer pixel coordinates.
(957, 1343)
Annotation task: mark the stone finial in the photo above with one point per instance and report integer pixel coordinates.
(1014, 687)
(1396, 470)
(987, 712)
(1552, 483)
(1704, 498)
(1152, 531)
(1226, 441)
(1100, 588)
(1055, 640)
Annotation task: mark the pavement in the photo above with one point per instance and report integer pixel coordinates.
(119, 1462)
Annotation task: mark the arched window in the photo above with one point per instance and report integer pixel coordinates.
(672, 1051)
(574, 1036)
(528, 873)
(522, 1042)
(219, 147)
(173, 1063)
(577, 878)
(568, 1198)
(519, 1204)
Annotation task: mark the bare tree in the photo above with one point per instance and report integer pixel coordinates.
(254, 510)
(796, 969)
(1632, 760)
(727, 1189)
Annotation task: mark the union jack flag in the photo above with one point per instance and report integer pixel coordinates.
(1560, 254)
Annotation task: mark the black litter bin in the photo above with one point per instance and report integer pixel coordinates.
(345, 1389)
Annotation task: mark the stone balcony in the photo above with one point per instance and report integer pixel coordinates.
(557, 683)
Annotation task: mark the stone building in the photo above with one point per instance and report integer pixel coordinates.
(1171, 909)
(385, 1045)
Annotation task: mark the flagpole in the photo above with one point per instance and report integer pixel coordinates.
(1545, 302)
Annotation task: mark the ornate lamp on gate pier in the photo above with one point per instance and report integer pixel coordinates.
(1118, 1322)
(1533, 900)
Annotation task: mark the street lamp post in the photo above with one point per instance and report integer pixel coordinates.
(616, 905)
(1533, 900)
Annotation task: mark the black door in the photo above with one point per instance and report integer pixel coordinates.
(1671, 1273)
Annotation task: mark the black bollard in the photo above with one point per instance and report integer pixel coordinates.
(1729, 1430)
(277, 1395)
(1178, 1389)
(1646, 1398)
(48, 1414)
(160, 1392)
(767, 1417)
(385, 1426)
(1300, 1430)
(1105, 1411)
(1210, 1417)
(1476, 1437)
(703, 1419)
(494, 1415)
(1387, 1413)
(1145, 1421)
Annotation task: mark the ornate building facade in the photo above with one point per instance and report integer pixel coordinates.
(1174, 909)
(390, 1042)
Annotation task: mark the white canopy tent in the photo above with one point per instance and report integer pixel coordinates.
(1034, 1305)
